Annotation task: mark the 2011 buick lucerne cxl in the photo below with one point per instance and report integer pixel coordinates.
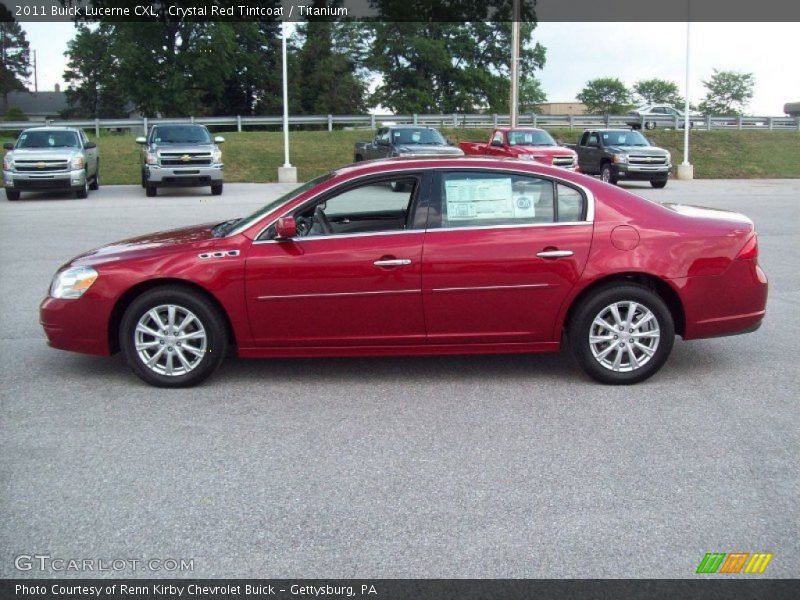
(475, 255)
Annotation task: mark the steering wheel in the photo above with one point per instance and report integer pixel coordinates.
(321, 218)
(304, 225)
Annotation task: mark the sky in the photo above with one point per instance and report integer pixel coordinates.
(578, 52)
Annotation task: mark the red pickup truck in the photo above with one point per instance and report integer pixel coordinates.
(526, 143)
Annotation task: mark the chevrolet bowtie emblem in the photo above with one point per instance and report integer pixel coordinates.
(186, 158)
(40, 165)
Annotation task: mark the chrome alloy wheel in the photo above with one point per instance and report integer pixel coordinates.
(624, 336)
(170, 340)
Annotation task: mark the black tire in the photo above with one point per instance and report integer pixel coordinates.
(150, 190)
(95, 185)
(83, 192)
(592, 306)
(607, 174)
(216, 189)
(658, 183)
(12, 194)
(144, 179)
(201, 308)
(359, 158)
(650, 125)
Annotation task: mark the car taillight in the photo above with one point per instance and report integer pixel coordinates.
(750, 249)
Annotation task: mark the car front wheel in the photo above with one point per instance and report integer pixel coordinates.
(622, 334)
(83, 192)
(216, 189)
(607, 174)
(173, 337)
(658, 183)
(12, 194)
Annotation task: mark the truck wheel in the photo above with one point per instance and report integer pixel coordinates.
(621, 334)
(95, 185)
(607, 175)
(216, 189)
(83, 192)
(12, 194)
(649, 124)
(658, 183)
(144, 179)
(150, 190)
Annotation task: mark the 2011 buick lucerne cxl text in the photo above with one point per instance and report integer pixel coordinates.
(473, 255)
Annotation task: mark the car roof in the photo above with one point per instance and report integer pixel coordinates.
(518, 128)
(412, 162)
(53, 128)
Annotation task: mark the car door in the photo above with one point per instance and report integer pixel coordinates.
(356, 284)
(91, 155)
(502, 252)
(592, 152)
(496, 145)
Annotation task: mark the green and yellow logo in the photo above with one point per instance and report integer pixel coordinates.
(719, 562)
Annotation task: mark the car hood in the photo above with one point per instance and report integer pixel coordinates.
(429, 149)
(639, 150)
(153, 243)
(44, 153)
(184, 147)
(544, 150)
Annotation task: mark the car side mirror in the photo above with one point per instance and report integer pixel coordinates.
(89, 145)
(382, 142)
(497, 143)
(559, 142)
(141, 140)
(8, 145)
(285, 228)
(219, 140)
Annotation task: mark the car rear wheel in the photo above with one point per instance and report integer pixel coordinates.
(649, 124)
(12, 194)
(622, 334)
(173, 337)
(150, 190)
(216, 189)
(607, 174)
(95, 185)
(659, 183)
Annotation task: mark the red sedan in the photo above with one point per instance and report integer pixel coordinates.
(471, 256)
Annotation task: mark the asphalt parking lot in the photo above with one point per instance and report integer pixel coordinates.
(509, 466)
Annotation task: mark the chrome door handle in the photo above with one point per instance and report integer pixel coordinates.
(392, 262)
(554, 253)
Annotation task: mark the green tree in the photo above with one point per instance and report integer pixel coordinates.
(16, 59)
(531, 95)
(448, 67)
(728, 93)
(93, 90)
(657, 91)
(605, 95)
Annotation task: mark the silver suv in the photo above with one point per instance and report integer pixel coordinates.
(51, 158)
(180, 155)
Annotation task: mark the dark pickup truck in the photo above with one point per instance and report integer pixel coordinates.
(404, 140)
(616, 154)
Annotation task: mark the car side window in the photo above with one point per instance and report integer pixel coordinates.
(497, 140)
(571, 204)
(477, 199)
(594, 139)
(584, 139)
(379, 205)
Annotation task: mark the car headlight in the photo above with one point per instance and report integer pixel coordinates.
(216, 155)
(8, 163)
(151, 158)
(669, 158)
(71, 283)
(77, 162)
(621, 158)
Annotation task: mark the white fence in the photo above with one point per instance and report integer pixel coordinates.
(475, 121)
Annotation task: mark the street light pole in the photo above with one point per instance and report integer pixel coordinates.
(514, 100)
(287, 173)
(685, 169)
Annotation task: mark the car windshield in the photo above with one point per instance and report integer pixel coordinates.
(417, 136)
(624, 138)
(530, 137)
(180, 134)
(223, 228)
(48, 139)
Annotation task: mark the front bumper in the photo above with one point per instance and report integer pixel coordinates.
(642, 172)
(77, 325)
(183, 176)
(54, 180)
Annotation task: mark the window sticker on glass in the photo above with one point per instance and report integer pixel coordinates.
(479, 199)
(416, 136)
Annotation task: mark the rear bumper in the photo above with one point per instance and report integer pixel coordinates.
(184, 176)
(61, 180)
(728, 304)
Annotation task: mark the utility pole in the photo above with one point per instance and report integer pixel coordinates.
(35, 73)
(287, 173)
(685, 169)
(514, 100)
